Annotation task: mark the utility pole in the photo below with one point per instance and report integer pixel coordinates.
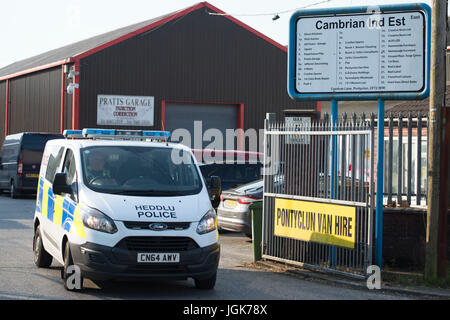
(437, 102)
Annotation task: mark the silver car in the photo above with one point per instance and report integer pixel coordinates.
(233, 212)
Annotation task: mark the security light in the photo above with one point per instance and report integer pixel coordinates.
(72, 86)
(72, 73)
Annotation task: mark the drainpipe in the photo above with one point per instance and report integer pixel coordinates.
(7, 107)
(63, 92)
(76, 97)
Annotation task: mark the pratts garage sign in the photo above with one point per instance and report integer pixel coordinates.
(125, 110)
(316, 222)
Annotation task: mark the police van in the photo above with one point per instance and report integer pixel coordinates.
(115, 204)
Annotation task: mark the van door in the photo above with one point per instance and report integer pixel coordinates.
(10, 153)
(4, 159)
(65, 203)
(46, 198)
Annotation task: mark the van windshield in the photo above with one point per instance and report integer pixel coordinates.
(139, 171)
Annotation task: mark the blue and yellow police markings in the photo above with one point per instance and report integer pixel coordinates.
(58, 210)
(63, 212)
(67, 219)
(78, 224)
(50, 204)
(39, 196)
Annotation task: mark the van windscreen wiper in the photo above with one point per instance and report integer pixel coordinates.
(145, 193)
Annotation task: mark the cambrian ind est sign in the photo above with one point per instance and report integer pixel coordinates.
(317, 222)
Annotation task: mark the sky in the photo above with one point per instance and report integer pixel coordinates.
(30, 27)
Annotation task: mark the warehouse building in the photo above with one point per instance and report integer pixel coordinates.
(163, 73)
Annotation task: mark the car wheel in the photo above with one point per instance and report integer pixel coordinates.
(67, 278)
(42, 259)
(206, 284)
(249, 235)
(13, 191)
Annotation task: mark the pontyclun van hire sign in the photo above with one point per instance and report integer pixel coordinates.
(125, 110)
(367, 54)
(315, 222)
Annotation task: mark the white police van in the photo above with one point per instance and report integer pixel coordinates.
(115, 204)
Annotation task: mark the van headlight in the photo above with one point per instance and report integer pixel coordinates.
(208, 223)
(96, 220)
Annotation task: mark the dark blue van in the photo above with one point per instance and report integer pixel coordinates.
(20, 161)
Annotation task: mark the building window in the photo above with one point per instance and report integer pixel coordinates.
(405, 169)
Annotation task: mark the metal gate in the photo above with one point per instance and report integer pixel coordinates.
(316, 176)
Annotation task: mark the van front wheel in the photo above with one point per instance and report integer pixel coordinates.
(42, 259)
(73, 281)
(206, 284)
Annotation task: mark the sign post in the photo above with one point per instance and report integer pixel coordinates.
(334, 185)
(361, 53)
(380, 185)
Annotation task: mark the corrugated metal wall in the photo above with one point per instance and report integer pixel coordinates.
(198, 58)
(447, 71)
(2, 110)
(35, 102)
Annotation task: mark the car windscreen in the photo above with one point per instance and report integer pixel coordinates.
(233, 174)
(139, 171)
(250, 187)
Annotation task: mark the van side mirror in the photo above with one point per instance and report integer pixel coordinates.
(60, 185)
(215, 190)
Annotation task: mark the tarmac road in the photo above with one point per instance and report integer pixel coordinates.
(21, 279)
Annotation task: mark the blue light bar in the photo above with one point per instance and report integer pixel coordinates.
(129, 132)
(160, 134)
(124, 134)
(98, 132)
(73, 133)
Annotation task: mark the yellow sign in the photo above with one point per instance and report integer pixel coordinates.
(32, 175)
(317, 222)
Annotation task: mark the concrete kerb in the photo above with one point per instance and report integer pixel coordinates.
(386, 287)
